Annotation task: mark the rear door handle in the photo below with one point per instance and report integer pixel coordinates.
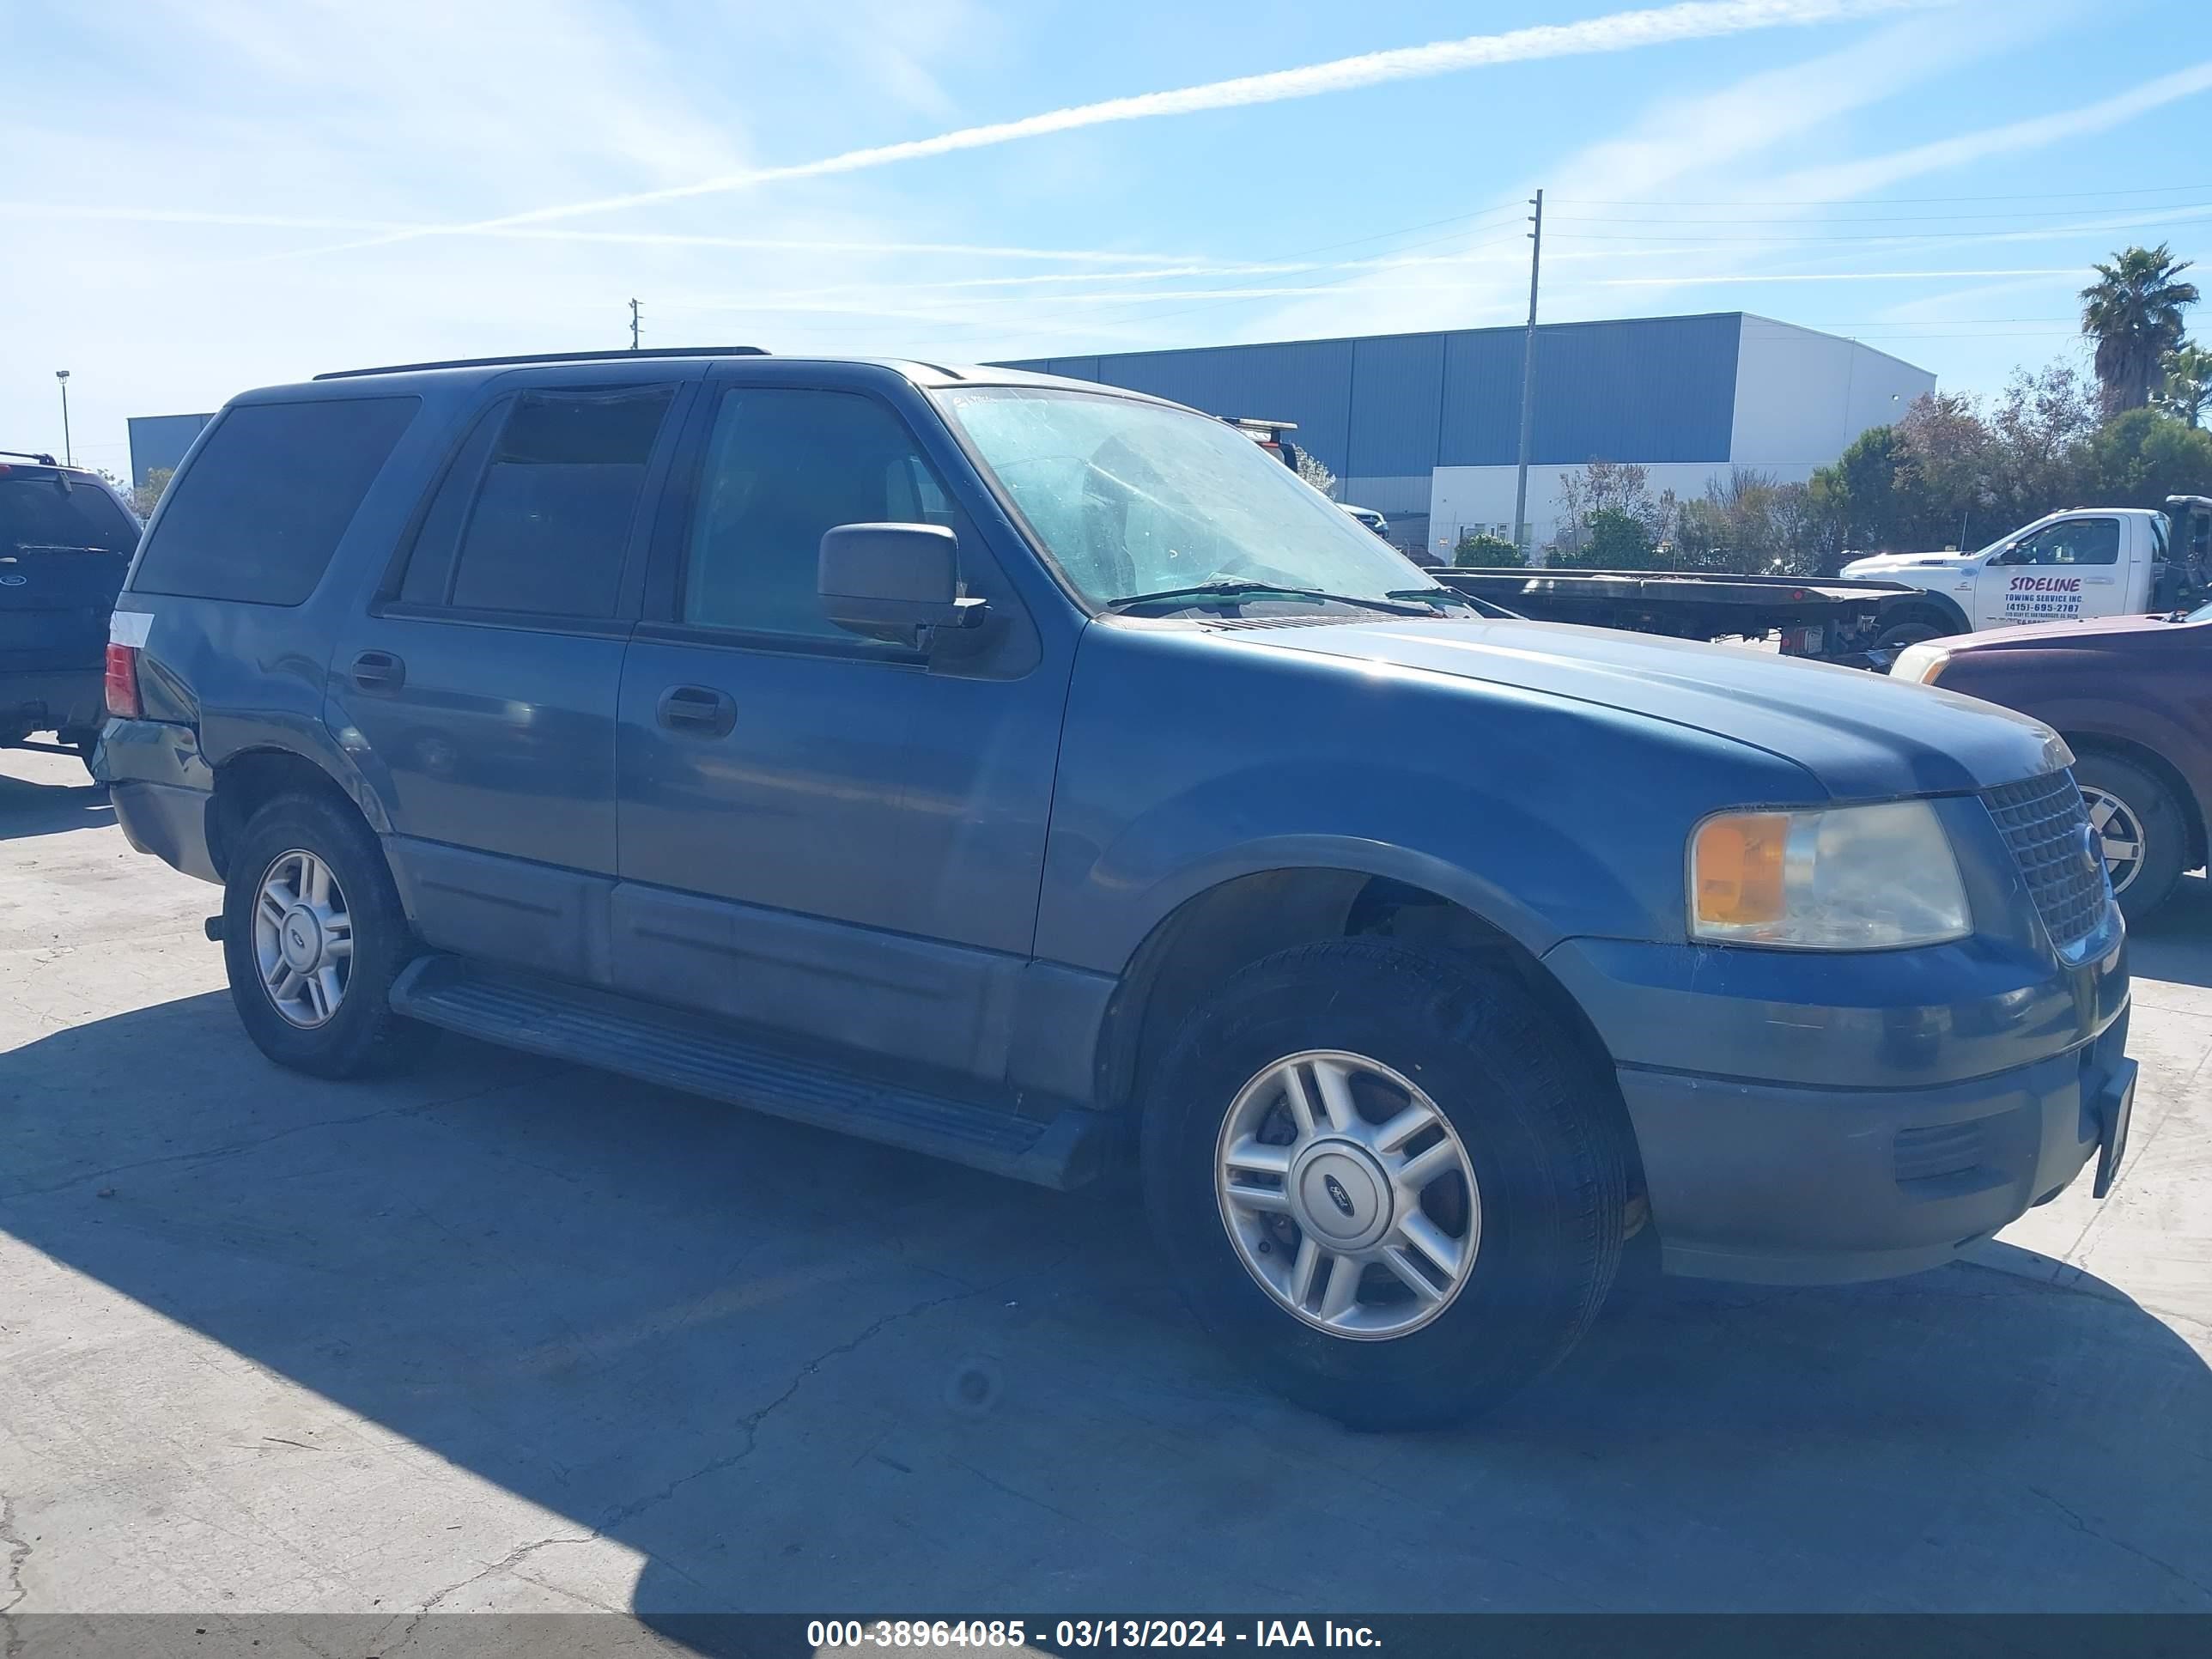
(697, 711)
(379, 671)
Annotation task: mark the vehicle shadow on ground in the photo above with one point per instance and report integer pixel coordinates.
(799, 1372)
(49, 809)
(2176, 943)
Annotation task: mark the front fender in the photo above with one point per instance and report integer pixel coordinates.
(1183, 766)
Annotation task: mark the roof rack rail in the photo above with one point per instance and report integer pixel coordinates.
(611, 355)
(29, 455)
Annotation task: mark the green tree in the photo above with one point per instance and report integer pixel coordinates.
(2133, 312)
(1480, 551)
(2188, 371)
(142, 498)
(2145, 456)
(1612, 538)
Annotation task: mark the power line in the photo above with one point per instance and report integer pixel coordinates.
(1880, 201)
(1860, 219)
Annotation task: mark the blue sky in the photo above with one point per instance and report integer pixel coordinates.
(205, 195)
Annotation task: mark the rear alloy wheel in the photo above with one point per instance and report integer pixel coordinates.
(2139, 826)
(1387, 1178)
(313, 936)
(302, 938)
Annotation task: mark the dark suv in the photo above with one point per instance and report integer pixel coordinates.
(65, 541)
(1028, 773)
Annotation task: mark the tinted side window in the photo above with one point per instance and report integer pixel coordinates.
(2077, 541)
(430, 565)
(260, 510)
(552, 515)
(783, 466)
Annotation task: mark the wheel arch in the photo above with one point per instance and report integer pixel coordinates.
(250, 778)
(1939, 609)
(1238, 921)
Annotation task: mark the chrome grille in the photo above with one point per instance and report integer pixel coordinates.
(2043, 821)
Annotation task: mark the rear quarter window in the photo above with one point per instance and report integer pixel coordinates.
(264, 503)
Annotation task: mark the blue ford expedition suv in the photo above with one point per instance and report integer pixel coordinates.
(1034, 775)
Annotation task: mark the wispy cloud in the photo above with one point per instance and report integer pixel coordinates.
(1624, 31)
(151, 216)
(2037, 132)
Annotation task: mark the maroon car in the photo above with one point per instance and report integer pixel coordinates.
(2132, 697)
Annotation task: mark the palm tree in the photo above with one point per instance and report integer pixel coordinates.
(2134, 312)
(2188, 371)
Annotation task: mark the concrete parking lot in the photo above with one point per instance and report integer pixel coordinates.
(504, 1335)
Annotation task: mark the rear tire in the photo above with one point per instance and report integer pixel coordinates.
(1546, 1160)
(311, 1008)
(2132, 807)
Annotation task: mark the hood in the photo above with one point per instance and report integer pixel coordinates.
(1863, 736)
(1882, 563)
(2034, 636)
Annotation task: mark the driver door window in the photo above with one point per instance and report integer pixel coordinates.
(2074, 542)
(783, 465)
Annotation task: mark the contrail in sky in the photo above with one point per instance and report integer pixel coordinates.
(1624, 31)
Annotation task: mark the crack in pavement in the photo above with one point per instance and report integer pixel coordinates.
(18, 1552)
(512, 1558)
(751, 1422)
(2075, 1521)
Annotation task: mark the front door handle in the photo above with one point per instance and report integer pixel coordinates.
(379, 671)
(697, 711)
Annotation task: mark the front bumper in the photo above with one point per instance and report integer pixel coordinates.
(1807, 1117)
(1775, 1184)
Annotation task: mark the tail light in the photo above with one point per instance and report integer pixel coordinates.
(123, 681)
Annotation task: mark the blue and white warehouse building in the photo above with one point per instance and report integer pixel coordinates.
(1425, 428)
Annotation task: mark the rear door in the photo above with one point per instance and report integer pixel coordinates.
(65, 543)
(477, 692)
(2066, 569)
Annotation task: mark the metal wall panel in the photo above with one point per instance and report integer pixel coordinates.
(1648, 389)
(159, 442)
(1397, 403)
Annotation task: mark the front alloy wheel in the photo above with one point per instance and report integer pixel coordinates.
(1347, 1194)
(302, 938)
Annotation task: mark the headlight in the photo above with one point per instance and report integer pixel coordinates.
(1920, 663)
(1845, 878)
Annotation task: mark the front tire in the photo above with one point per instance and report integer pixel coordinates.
(313, 936)
(1387, 1180)
(2139, 824)
(1897, 635)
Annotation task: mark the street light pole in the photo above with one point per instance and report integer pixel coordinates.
(1529, 376)
(69, 459)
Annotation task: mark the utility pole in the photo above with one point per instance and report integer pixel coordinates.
(1528, 374)
(69, 458)
(633, 325)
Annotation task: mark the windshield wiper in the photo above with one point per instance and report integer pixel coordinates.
(1434, 595)
(1235, 587)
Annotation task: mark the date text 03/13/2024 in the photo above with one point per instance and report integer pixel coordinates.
(1079, 1635)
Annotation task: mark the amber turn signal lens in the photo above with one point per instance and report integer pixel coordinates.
(1738, 867)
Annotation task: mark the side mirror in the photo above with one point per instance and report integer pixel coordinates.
(894, 581)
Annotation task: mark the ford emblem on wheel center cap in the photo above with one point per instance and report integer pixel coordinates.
(1337, 1195)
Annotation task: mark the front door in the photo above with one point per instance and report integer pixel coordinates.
(2067, 569)
(820, 833)
(477, 693)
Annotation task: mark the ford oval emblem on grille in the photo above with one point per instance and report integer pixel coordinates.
(1337, 1195)
(13, 581)
(2092, 846)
